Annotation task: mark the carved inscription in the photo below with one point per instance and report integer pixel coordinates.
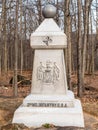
(46, 105)
(47, 40)
(48, 74)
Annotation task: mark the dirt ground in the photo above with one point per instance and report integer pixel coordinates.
(8, 104)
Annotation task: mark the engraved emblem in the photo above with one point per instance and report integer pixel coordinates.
(48, 74)
(47, 40)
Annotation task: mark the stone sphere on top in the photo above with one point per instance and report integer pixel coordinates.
(49, 11)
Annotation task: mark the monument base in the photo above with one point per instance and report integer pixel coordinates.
(40, 100)
(59, 113)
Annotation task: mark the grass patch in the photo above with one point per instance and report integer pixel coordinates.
(48, 125)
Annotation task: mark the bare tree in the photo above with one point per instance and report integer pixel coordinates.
(79, 56)
(21, 38)
(97, 28)
(4, 11)
(92, 63)
(39, 8)
(68, 33)
(85, 37)
(16, 50)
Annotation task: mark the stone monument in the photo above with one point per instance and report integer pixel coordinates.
(50, 100)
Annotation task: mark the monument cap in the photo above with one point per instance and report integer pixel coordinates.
(49, 11)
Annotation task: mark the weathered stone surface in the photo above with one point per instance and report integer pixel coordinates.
(70, 128)
(49, 76)
(48, 35)
(24, 82)
(19, 78)
(49, 101)
(45, 127)
(14, 127)
(49, 11)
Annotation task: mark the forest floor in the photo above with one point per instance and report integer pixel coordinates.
(8, 103)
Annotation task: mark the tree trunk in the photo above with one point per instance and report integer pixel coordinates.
(97, 28)
(21, 14)
(0, 64)
(57, 14)
(86, 17)
(39, 8)
(79, 56)
(16, 51)
(92, 48)
(68, 33)
(4, 34)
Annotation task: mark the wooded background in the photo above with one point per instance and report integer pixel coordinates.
(77, 18)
